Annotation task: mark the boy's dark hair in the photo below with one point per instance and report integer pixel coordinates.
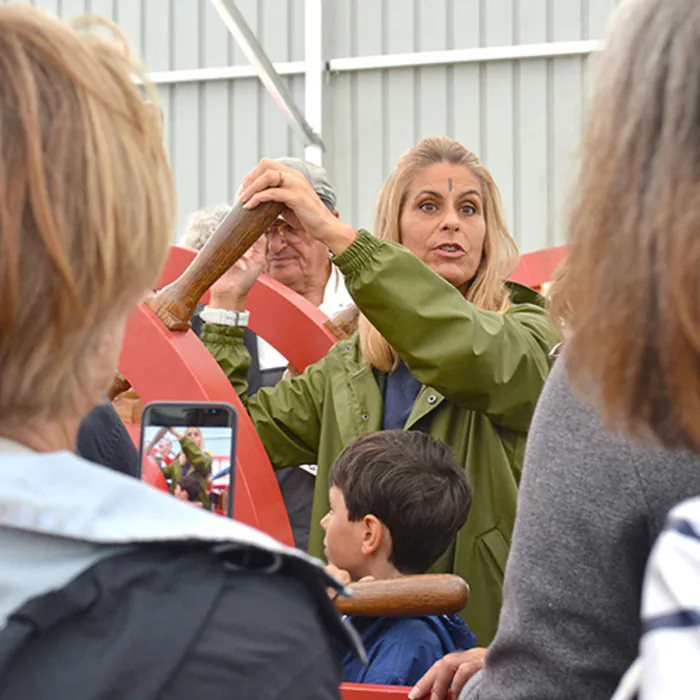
(411, 482)
(192, 486)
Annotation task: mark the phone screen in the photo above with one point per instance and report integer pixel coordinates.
(190, 448)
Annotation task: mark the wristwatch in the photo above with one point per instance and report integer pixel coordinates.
(223, 317)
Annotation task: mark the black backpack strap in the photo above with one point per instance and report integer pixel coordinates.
(118, 631)
(316, 580)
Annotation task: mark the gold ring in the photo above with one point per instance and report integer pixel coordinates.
(281, 182)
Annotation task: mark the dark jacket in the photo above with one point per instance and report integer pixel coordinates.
(148, 598)
(244, 633)
(481, 374)
(103, 439)
(401, 650)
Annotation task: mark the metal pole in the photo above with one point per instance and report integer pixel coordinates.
(249, 45)
(454, 57)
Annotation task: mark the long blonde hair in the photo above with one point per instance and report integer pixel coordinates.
(500, 254)
(182, 457)
(635, 231)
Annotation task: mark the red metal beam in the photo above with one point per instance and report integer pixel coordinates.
(167, 366)
(292, 325)
(359, 691)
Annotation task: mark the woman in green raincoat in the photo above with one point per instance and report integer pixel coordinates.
(192, 460)
(444, 344)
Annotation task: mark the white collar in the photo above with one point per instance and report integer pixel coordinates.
(60, 494)
(7, 445)
(335, 295)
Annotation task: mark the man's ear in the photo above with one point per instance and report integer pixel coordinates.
(372, 534)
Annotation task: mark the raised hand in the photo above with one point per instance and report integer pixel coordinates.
(230, 291)
(272, 182)
(339, 574)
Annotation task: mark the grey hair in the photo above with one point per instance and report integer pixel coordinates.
(202, 224)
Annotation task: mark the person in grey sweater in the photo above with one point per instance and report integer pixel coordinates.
(590, 506)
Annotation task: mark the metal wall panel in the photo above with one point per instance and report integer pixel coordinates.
(523, 118)
(215, 131)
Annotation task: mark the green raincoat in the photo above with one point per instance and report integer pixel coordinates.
(199, 463)
(481, 371)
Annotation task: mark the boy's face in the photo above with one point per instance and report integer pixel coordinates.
(343, 540)
(180, 493)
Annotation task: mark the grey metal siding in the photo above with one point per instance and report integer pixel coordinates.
(523, 118)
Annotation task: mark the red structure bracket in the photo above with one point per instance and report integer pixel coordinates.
(163, 365)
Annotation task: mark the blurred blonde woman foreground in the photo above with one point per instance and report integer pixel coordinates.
(86, 213)
(444, 345)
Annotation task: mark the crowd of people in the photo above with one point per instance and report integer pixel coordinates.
(451, 431)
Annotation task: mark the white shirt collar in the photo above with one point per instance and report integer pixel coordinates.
(7, 445)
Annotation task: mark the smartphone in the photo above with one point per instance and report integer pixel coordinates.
(191, 449)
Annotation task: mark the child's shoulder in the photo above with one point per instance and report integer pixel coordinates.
(401, 650)
(429, 627)
(445, 631)
(401, 628)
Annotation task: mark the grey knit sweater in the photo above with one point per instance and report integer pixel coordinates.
(589, 509)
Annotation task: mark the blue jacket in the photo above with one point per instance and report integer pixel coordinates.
(401, 650)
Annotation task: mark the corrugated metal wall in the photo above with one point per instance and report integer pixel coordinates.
(523, 118)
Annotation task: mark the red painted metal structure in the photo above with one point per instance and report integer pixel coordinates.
(536, 268)
(163, 365)
(167, 366)
(359, 691)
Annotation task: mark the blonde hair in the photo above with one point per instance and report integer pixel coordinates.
(86, 207)
(500, 254)
(635, 230)
(181, 456)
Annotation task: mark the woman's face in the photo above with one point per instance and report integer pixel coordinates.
(195, 435)
(443, 223)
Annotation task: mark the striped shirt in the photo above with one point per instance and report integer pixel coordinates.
(669, 663)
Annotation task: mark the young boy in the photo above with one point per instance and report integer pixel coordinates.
(397, 501)
(189, 489)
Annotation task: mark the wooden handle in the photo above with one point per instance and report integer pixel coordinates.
(119, 385)
(154, 441)
(408, 596)
(175, 304)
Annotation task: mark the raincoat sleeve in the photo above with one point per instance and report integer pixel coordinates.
(287, 417)
(492, 363)
(200, 460)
